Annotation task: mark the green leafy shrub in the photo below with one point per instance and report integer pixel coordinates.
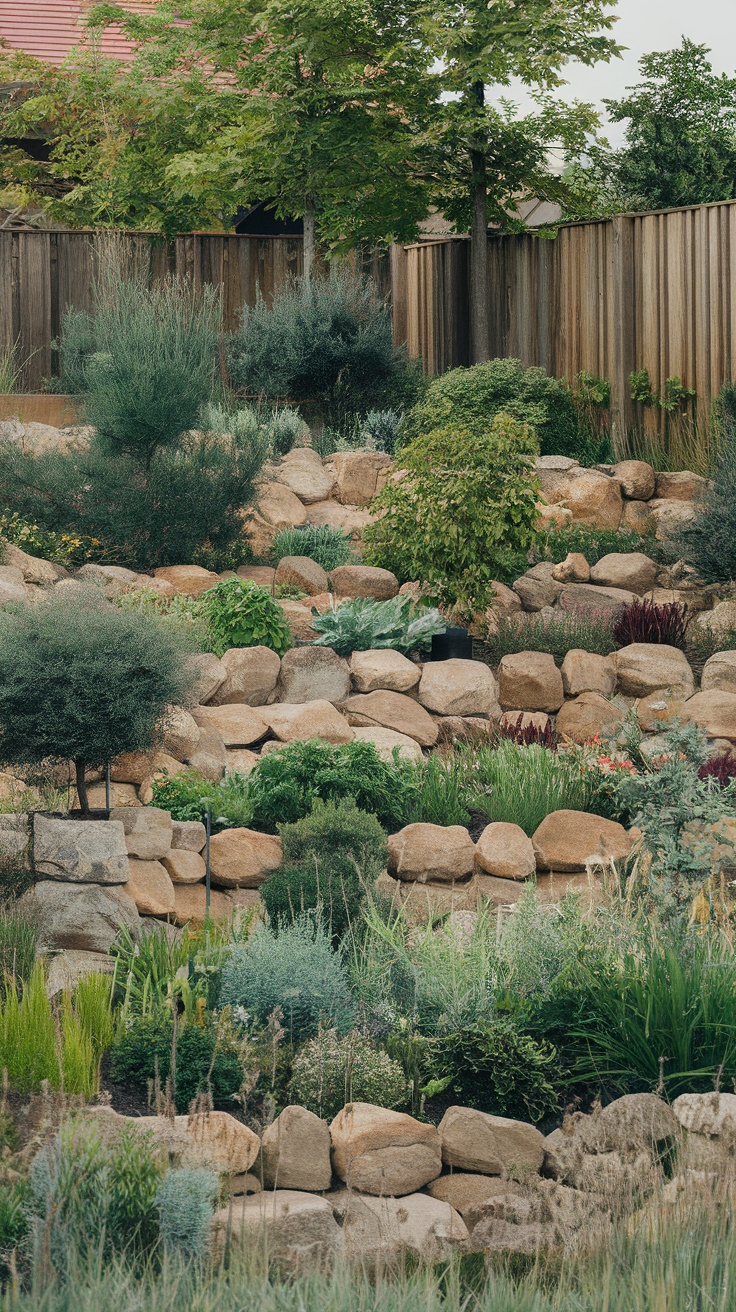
(284, 786)
(296, 971)
(332, 859)
(188, 796)
(365, 625)
(556, 634)
(332, 1070)
(207, 1058)
(495, 1068)
(62, 548)
(240, 614)
(186, 1201)
(280, 429)
(329, 341)
(463, 511)
(84, 680)
(593, 543)
(330, 547)
(470, 398)
(381, 429)
(522, 785)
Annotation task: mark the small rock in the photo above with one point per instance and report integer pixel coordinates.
(644, 667)
(625, 569)
(65, 969)
(387, 741)
(637, 479)
(591, 597)
(504, 850)
(719, 673)
(188, 835)
(148, 831)
(682, 485)
(303, 472)
(210, 757)
(364, 581)
(669, 515)
(150, 887)
(530, 680)
(359, 475)
(588, 717)
(184, 867)
(240, 760)
(425, 851)
(383, 669)
(538, 587)
(657, 708)
(303, 573)
(189, 580)
(180, 733)
(573, 569)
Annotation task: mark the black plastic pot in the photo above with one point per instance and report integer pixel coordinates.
(453, 644)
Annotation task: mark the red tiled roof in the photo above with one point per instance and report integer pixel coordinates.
(49, 29)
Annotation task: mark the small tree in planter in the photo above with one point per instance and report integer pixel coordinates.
(84, 680)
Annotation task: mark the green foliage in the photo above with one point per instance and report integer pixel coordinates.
(441, 792)
(522, 785)
(329, 340)
(593, 543)
(365, 625)
(13, 1224)
(62, 548)
(641, 387)
(83, 680)
(709, 542)
(676, 396)
(19, 939)
(470, 398)
(61, 1042)
(283, 786)
(381, 429)
(28, 1040)
(464, 508)
(207, 1058)
(186, 1201)
(330, 547)
(556, 634)
(295, 971)
(240, 614)
(330, 1071)
(492, 1067)
(188, 796)
(279, 429)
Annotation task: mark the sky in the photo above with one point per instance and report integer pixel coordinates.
(643, 26)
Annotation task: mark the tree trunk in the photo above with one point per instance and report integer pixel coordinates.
(81, 786)
(309, 239)
(479, 324)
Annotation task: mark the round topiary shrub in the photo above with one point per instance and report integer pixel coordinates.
(331, 1070)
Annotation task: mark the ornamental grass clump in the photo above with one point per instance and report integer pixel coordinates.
(644, 621)
(330, 547)
(557, 634)
(523, 784)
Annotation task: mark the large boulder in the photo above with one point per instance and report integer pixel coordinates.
(720, 620)
(148, 831)
(493, 1145)
(83, 917)
(190, 905)
(625, 569)
(719, 673)
(317, 719)
(311, 674)
(592, 597)
(303, 573)
(303, 472)
(588, 717)
(210, 757)
(584, 671)
(150, 887)
(359, 475)
(279, 507)
(530, 681)
(382, 1231)
(189, 580)
(594, 498)
(188, 835)
(364, 581)
(209, 675)
(504, 850)
(715, 712)
(180, 733)
(637, 479)
(42, 573)
(184, 867)
(669, 515)
(538, 587)
(296, 1152)
(243, 858)
(378, 1151)
(565, 840)
(459, 687)
(65, 969)
(680, 485)
(466, 1192)
(15, 838)
(392, 710)
(80, 851)
(383, 668)
(297, 1229)
(388, 741)
(425, 851)
(637, 518)
(251, 674)
(644, 667)
(238, 724)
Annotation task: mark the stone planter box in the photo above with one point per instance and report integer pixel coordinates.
(53, 408)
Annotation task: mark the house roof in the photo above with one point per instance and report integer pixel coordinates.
(49, 29)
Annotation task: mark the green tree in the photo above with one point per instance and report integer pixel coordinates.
(82, 680)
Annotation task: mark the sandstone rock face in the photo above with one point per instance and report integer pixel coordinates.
(378, 1151)
(493, 1145)
(387, 741)
(132, 767)
(621, 569)
(465, 728)
(148, 831)
(210, 674)
(150, 887)
(530, 681)
(669, 514)
(15, 838)
(466, 1192)
(364, 581)
(392, 710)
(189, 580)
(298, 1228)
(188, 835)
(719, 673)
(636, 518)
(383, 668)
(251, 674)
(643, 667)
(715, 712)
(184, 867)
(459, 687)
(317, 719)
(82, 917)
(587, 717)
(538, 587)
(243, 858)
(659, 706)
(383, 1230)
(67, 968)
(240, 760)
(210, 757)
(424, 851)
(190, 905)
(573, 569)
(303, 573)
(180, 733)
(584, 671)
(304, 474)
(296, 1152)
(279, 507)
(637, 479)
(589, 596)
(238, 724)
(566, 839)
(680, 486)
(80, 851)
(593, 498)
(33, 569)
(504, 850)
(311, 674)
(359, 475)
(720, 619)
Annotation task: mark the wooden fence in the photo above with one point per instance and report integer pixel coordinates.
(653, 291)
